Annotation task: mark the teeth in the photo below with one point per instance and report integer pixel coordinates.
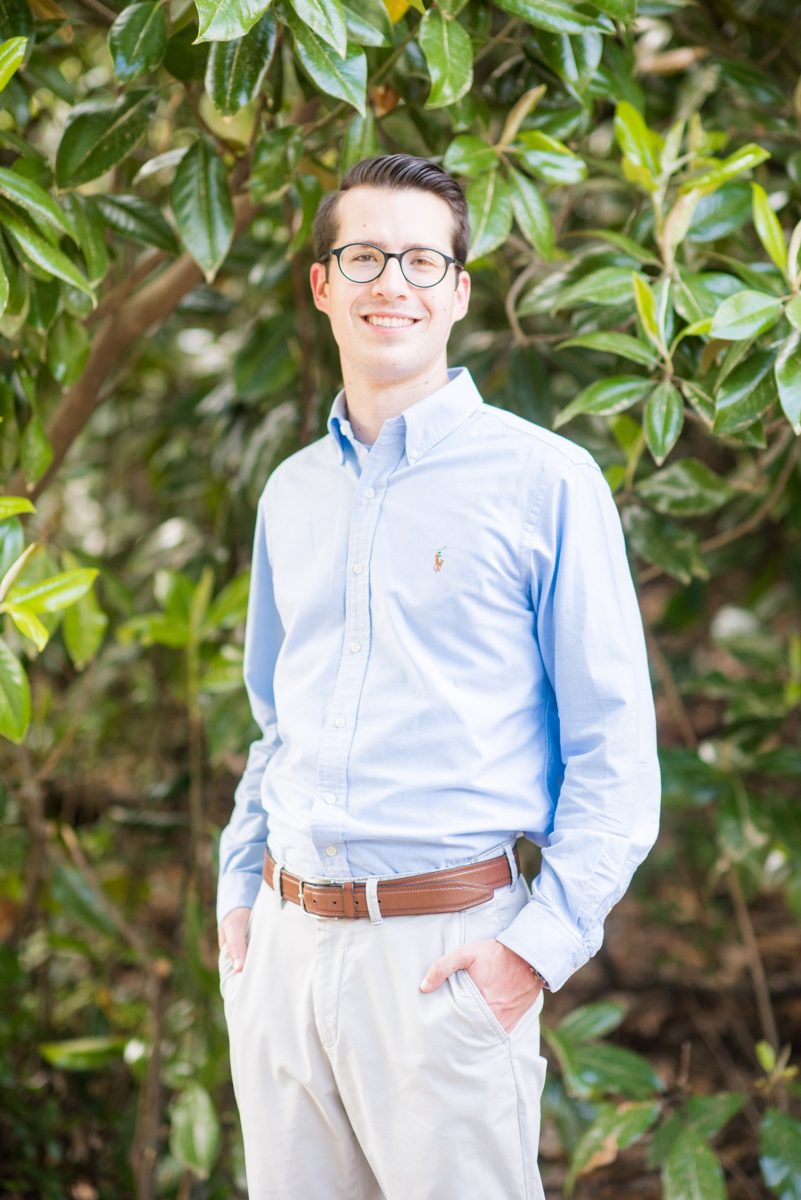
(391, 322)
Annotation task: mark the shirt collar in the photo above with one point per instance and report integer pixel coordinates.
(423, 424)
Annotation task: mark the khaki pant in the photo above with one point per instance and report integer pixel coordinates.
(354, 1085)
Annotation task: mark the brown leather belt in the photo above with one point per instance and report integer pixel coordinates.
(449, 890)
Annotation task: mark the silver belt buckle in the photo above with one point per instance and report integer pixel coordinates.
(302, 901)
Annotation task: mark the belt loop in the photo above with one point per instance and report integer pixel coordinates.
(277, 883)
(371, 895)
(510, 854)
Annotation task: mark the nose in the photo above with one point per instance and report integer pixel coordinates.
(391, 281)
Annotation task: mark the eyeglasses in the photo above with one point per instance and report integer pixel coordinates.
(422, 267)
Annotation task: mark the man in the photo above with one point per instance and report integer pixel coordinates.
(443, 649)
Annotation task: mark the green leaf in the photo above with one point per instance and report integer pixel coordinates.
(36, 203)
(532, 214)
(594, 1069)
(137, 220)
(607, 286)
(369, 25)
(28, 624)
(691, 1171)
(344, 78)
(555, 16)
(4, 288)
(326, 18)
(35, 451)
(202, 207)
(646, 307)
(99, 134)
(780, 1154)
(224, 20)
(639, 144)
(745, 394)
(768, 227)
(67, 350)
(83, 1054)
(84, 628)
(548, 158)
(229, 607)
(90, 231)
(154, 629)
(663, 543)
(746, 314)
(621, 10)
(56, 592)
(620, 344)
(137, 40)
(275, 156)
(788, 379)
(793, 312)
(449, 54)
(606, 396)
(575, 59)
(745, 159)
(195, 1130)
(615, 1128)
(38, 251)
(235, 70)
(72, 895)
(12, 54)
(359, 140)
(626, 244)
(664, 418)
(470, 155)
(685, 489)
(11, 505)
(705, 1114)
(490, 206)
(15, 696)
(590, 1021)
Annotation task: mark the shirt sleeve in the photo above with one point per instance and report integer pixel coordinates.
(591, 640)
(244, 838)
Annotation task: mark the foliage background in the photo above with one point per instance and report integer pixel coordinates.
(634, 178)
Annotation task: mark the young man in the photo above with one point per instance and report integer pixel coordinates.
(443, 650)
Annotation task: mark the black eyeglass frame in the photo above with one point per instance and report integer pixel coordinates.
(388, 254)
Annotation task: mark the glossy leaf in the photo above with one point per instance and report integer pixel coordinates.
(548, 158)
(90, 231)
(98, 135)
(687, 488)
(663, 420)
(37, 250)
(667, 545)
(229, 607)
(137, 39)
(470, 155)
(360, 140)
(793, 312)
(615, 1128)
(275, 156)
(368, 24)
(605, 396)
(692, 1171)
(449, 55)
(12, 55)
(54, 593)
(15, 696)
(5, 288)
(83, 1054)
(236, 70)
(745, 394)
(788, 379)
(225, 20)
(621, 10)
(28, 624)
(36, 203)
(768, 227)
(575, 59)
(490, 206)
(555, 16)
(532, 214)
(746, 314)
(620, 344)
(67, 350)
(83, 629)
(201, 204)
(195, 1130)
(745, 159)
(35, 451)
(595, 1069)
(326, 18)
(609, 285)
(345, 78)
(780, 1154)
(646, 307)
(639, 144)
(591, 1021)
(706, 1115)
(138, 220)
(10, 506)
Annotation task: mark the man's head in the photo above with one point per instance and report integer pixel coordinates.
(392, 329)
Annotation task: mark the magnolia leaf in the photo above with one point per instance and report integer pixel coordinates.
(555, 16)
(41, 253)
(780, 1154)
(746, 314)
(449, 54)
(11, 505)
(606, 396)
(28, 624)
(326, 18)
(663, 420)
(201, 203)
(609, 285)
(195, 1130)
(687, 488)
(236, 70)
(615, 1128)
(15, 696)
(639, 144)
(225, 20)
(549, 158)
(345, 78)
(138, 39)
(67, 349)
(745, 159)
(692, 1171)
(768, 228)
(12, 55)
(532, 214)
(745, 394)
(36, 203)
(83, 629)
(35, 451)
(788, 379)
(620, 344)
(793, 312)
(54, 593)
(99, 134)
(490, 205)
(470, 155)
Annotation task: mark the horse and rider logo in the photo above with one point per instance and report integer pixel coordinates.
(439, 559)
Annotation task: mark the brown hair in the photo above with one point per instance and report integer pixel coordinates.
(396, 171)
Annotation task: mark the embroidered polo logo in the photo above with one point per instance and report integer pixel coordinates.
(438, 559)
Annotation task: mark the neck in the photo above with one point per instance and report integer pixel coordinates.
(370, 405)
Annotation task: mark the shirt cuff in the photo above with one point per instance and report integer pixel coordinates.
(237, 889)
(539, 937)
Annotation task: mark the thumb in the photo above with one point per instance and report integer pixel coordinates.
(438, 972)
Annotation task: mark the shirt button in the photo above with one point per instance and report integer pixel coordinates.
(331, 851)
(358, 568)
(330, 797)
(340, 722)
(369, 493)
(355, 647)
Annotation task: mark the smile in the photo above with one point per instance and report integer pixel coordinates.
(391, 322)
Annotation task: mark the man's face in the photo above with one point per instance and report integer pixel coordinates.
(388, 331)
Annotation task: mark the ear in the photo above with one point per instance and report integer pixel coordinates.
(462, 297)
(318, 278)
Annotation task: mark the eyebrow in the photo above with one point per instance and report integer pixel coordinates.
(382, 245)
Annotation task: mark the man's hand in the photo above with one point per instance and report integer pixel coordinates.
(232, 935)
(504, 979)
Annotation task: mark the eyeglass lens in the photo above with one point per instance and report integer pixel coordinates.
(422, 267)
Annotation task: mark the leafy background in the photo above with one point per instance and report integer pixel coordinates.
(634, 178)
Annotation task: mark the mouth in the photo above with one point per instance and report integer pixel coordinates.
(380, 321)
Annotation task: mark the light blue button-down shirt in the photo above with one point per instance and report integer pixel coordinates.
(444, 650)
